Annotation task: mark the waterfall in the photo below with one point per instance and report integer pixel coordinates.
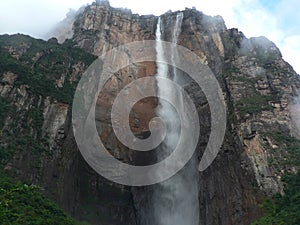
(176, 32)
(175, 201)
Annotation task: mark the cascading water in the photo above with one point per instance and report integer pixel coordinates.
(175, 35)
(175, 201)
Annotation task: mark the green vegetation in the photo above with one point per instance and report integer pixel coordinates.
(23, 142)
(4, 108)
(6, 153)
(289, 144)
(232, 70)
(253, 104)
(24, 204)
(244, 79)
(40, 63)
(23, 134)
(283, 210)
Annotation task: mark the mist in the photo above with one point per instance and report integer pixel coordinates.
(64, 29)
(174, 201)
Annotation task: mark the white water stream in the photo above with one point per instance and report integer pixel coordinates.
(175, 201)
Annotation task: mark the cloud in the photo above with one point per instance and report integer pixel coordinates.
(278, 24)
(279, 21)
(34, 17)
(290, 47)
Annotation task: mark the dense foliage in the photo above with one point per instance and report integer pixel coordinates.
(283, 210)
(288, 144)
(254, 104)
(4, 107)
(23, 133)
(39, 64)
(24, 204)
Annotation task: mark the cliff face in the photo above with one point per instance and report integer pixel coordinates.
(38, 80)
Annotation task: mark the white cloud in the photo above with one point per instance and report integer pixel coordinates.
(280, 22)
(290, 47)
(34, 17)
(277, 24)
(250, 16)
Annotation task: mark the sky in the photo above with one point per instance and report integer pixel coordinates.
(278, 20)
